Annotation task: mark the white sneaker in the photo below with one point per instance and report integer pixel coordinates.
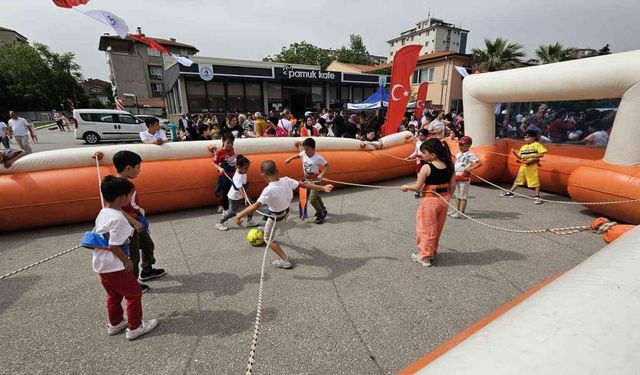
(251, 223)
(424, 262)
(455, 215)
(114, 330)
(145, 327)
(281, 263)
(220, 226)
(537, 200)
(220, 209)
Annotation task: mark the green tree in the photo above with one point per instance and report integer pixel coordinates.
(36, 78)
(356, 53)
(553, 53)
(301, 53)
(497, 55)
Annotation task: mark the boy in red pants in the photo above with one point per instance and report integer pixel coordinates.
(113, 265)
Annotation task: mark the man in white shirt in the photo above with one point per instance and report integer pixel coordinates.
(22, 130)
(285, 122)
(153, 135)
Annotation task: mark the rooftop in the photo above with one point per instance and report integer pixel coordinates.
(104, 39)
(13, 31)
(422, 58)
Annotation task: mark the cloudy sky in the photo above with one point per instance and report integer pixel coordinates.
(252, 29)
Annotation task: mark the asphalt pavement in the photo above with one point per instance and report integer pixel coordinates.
(355, 303)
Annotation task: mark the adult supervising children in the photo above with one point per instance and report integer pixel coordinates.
(436, 176)
(21, 131)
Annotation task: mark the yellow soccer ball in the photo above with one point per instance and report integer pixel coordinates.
(255, 237)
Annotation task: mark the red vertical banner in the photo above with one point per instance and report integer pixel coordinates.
(421, 99)
(403, 66)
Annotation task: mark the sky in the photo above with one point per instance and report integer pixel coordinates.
(252, 29)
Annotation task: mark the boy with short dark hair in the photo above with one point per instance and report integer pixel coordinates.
(466, 161)
(312, 163)
(277, 197)
(127, 165)
(113, 265)
(153, 135)
(529, 156)
(237, 194)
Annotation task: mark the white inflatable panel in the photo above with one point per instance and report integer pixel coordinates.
(610, 76)
(81, 157)
(585, 322)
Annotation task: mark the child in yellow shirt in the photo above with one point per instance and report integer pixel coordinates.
(529, 156)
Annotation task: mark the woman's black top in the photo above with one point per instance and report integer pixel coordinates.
(438, 176)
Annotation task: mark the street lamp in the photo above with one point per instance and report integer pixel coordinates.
(135, 98)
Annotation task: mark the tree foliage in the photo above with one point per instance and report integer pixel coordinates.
(36, 78)
(302, 53)
(553, 53)
(497, 55)
(356, 53)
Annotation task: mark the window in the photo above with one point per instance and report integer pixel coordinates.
(423, 75)
(253, 93)
(426, 44)
(153, 52)
(97, 117)
(184, 52)
(156, 88)
(196, 96)
(127, 119)
(344, 94)
(235, 96)
(403, 41)
(358, 94)
(217, 100)
(333, 95)
(317, 96)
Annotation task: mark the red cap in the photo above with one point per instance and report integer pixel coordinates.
(465, 140)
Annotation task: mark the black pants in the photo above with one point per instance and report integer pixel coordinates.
(222, 188)
(141, 242)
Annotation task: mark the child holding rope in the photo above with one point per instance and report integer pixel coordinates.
(277, 197)
(225, 162)
(113, 264)
(466, 161)
(436, 181)
(312, 162)
(237, 194)
(529, 156)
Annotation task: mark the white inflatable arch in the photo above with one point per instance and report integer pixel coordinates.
(610, 76)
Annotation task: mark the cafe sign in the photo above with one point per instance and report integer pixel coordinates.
(289, 72)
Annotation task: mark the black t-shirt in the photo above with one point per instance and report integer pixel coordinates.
(237, 131)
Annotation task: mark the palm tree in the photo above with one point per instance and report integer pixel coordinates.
(497, 55)
(553, 53)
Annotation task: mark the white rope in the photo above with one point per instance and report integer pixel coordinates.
(554, 201)
(565, 230)
(99, 181)
(254, 342)
(39, 262)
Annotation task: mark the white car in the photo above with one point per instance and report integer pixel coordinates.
(95, 125)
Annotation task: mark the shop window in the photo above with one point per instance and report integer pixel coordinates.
(333, 95)
(368, 91)
(235, 96)
(317, 97)
(253, 93)
(358, 94)
(344, 94)
(274, 95)
(196, 96)
(217, 101)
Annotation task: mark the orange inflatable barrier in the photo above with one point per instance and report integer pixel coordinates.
(61, 187)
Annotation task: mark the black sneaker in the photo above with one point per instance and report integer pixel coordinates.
(418, 195)
(321, 217)
(507, 194)
(145, 288)
(153, 273)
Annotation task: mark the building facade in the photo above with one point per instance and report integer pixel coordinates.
(135, 69)
(433, 35)
(8, 36)
(98, 90)
(216, 85)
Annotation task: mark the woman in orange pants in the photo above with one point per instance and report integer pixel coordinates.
(436, 176)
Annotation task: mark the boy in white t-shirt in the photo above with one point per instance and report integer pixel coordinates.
(277, 197)
(113, 265)
(153, 135)
(237, 193)
(312, 163)
(466, 161)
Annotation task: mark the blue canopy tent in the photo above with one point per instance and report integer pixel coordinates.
(378, 100)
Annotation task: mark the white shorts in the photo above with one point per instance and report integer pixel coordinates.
(280, 229)
(462, 189)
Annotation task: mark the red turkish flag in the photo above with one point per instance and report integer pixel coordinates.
(421, 99)
(403, 66)
(151, 43)
(69, 3)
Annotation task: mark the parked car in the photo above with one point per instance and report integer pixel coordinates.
(95, 125)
